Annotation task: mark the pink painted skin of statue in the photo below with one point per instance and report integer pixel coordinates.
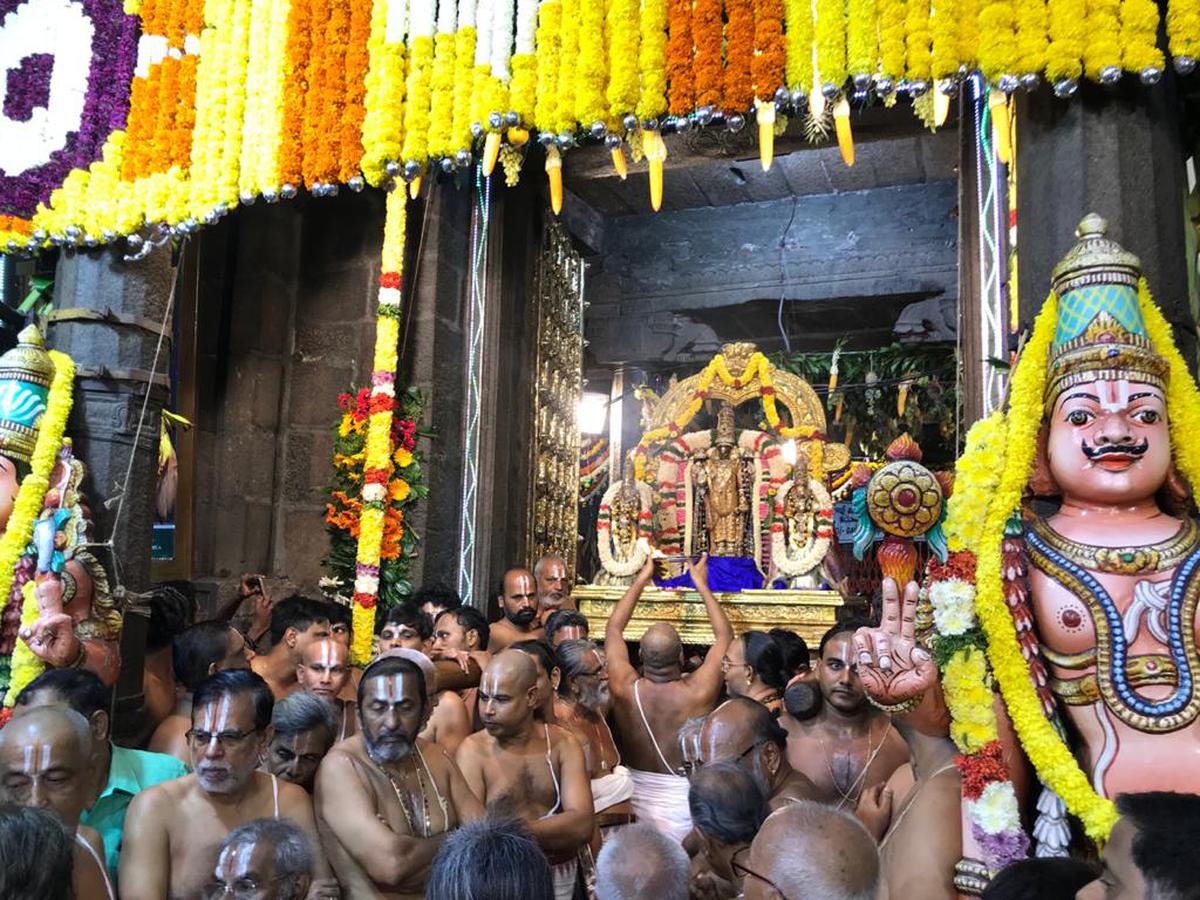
(1109, 453)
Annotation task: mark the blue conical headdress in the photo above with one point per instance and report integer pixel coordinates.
(1100, 333)
(25, 375)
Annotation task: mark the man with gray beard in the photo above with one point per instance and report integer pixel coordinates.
(386, 798)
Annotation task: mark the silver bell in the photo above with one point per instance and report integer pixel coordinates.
(1110, 75)
(1185, 65)
(1065, 88)
(1151, 75)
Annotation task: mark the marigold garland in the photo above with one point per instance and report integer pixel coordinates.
(681, 81)
(418, 93)
(830, 28)
(1032, 42)
(709, 36)
(1139, 36)
(891, 38)
(997, 39)
(324, 151)
(862, 37)
(1066, 23)
(441, 82)
(968, 32)
(1102, 50)
(1183, 29)
(652, 58)
(299, 51)
(383, 99)
(353, 110)
(918, 41)
(739, 53)
(523, 89)
(944, 19)
(567, 59)
(500, 50)
(28, 506)
(464, 67)
(481, 76)
(548, 38)
(590, 87)
(770, 52)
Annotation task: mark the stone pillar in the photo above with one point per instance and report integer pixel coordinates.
(114, 360)
(1117, 152)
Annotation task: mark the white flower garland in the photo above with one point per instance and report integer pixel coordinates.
(484, 22)
(641, 549)
(502, 39)
(953, 603)
(527, 11)
(423, 15)
(447, 17)
(794, 565)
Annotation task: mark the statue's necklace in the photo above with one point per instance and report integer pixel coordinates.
(1123, 560)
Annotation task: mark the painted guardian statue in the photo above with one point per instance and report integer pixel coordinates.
(1073, 578)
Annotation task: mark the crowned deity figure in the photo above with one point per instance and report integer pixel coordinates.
(1075, 564)
(623, 528)
(721, 478)
(77, 622)
(802, 529)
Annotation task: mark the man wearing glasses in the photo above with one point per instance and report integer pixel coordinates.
(174, 830)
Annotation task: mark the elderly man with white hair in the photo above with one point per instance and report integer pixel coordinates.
(640, 862)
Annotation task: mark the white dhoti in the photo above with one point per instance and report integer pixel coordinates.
(662, 801)
(611, 789)
(564, 875)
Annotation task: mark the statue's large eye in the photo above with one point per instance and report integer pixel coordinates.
(1079, 417)
(1148, 416)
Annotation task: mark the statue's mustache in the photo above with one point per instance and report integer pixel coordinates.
(1138, 449)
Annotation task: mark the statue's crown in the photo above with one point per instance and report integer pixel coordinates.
(1100, 332)
(25, 375)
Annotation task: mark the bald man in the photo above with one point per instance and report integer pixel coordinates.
(519, 603)
(386, 798)
(651, 707)
(810, 849)
(45, 762)
(553, 585)
(324, 672)
(532, 770)
(744, 732)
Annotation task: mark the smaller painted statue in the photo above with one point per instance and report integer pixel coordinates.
(78, 623)
(803, 528)
(721, 484)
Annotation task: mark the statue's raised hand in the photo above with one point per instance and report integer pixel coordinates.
(893, 667)
(52, 639)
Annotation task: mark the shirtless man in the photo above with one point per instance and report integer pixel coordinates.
(197, 652)
(406, 626)
(553, 588)
(650, 708)
(296, 622)
(918, 853)
(387, 798)
(45, 762)
(744, 732)
(324, 672)
(581, 705)
(462, 634)
(174, 830)
(528, 769)
(848, 745)
(519, 603)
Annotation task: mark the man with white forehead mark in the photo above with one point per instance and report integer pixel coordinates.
(386, 798)
(45, 760)
(174, 830)
(324, 672)
(530, 769)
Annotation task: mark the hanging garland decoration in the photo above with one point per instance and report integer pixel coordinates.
(227, 100)
(831, 45)
(891, 40)
(681, 81)
(441, 109)
(1183, 34)
(28, 507)
(549, 33)
(707, 29)
(1032, 41)
(652, 58)
(797, 557)
(645, 535)
(378, 452)
(862, 41)
(1102, 52)
(1138, 39)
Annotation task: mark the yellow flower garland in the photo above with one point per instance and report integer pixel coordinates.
(590, 105)
(25, 664)
(624, 35)
(567, 58)
(1183, 29)
(968, 31)
(944, 21)
(1066, 21)
(382, 132)
(1031, 35)
(1102, 49)
(862, 38)
(1049, 754)
(652, 59)
(891, 38)
(997, 40)
(831, 42)
(548, 36)
(798, 30)
(976, 475)
(967, 684)
(1139, 36)
(441, 110)
(464, 66)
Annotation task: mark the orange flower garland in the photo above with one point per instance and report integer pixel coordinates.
(316, 79)
(300, 50)
(330, 96)
(353, 111)
(681, 83)
(739, 54)
(770, 52)
(707, 29)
